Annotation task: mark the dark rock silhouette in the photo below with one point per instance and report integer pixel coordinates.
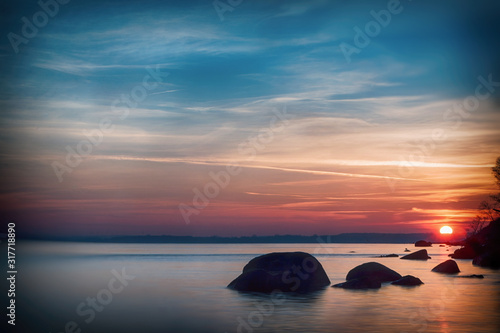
(473, 276)
(283, 271)
(422, 243)
(408, 280)
(388, 255)
(447, 267)
(489, 238)
(489, 259)
(419, 255)
(406, 250)
(374, 271)
(469, 251)
(484, 247)
(363, 283)
(369, 275)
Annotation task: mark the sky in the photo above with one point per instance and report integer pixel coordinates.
(246, 117)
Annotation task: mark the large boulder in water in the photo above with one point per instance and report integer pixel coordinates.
(362, 283)
(408, 280)
(374, 271)
(283, 271)
(447, 267)
(422, 243)
(419, 255)
(369, 275)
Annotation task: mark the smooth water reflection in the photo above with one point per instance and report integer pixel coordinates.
(182, 288)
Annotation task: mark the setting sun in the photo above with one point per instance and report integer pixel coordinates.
(446, 230)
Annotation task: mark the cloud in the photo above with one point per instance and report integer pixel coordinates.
(351, 127)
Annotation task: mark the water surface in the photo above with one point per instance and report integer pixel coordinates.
(182, 288)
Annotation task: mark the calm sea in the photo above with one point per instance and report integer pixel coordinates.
(63, 287)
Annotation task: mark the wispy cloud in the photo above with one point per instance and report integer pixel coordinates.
(353, 128)
(222, 163)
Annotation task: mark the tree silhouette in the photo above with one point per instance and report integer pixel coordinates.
(496, 173)
(488, 209)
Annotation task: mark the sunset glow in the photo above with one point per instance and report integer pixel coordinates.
(446, 230)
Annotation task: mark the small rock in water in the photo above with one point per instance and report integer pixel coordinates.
(473, 276)
(408, 280)
(422, 243)
(447, 267)
(419, 255)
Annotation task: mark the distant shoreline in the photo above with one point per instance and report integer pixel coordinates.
(346, 238)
